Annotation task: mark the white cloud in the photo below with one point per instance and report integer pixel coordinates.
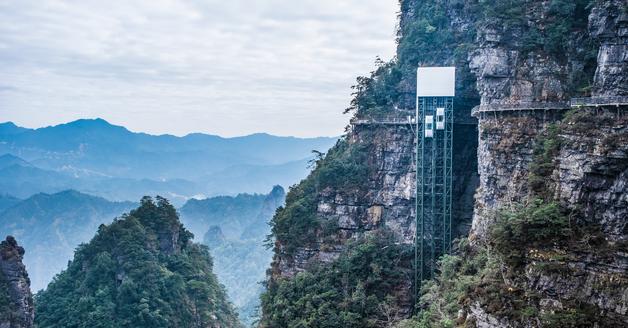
(164, 66)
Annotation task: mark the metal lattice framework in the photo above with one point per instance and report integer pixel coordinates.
(433, 187)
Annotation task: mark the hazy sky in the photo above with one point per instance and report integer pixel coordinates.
(230, 67)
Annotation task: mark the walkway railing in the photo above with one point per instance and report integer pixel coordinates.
(527, 106)
(599, 101)
(397, 117)
(401, 118)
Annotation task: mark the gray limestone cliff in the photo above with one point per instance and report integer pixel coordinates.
(589, 177)
(535, 73)
(525, 99)
(608, 23)
(16, 301)
(383, 197)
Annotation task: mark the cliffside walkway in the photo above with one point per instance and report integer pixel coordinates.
(608, 101)
(397, 117)
(532, 106)
(599, 101)
(383, 120)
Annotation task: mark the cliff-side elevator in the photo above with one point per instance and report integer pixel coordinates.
(434, 129)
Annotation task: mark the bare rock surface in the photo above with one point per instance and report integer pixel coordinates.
(16, 305)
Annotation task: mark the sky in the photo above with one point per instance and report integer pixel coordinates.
(229, 68)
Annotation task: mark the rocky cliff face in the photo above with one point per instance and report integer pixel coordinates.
(587, 173)
(505, 133)
(524, 61)
(588, 177)
(16, 301)
(386, 197)
(608, 23)
(540, 53)
(325, 214)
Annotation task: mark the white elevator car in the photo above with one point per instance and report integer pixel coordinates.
(440, 118)
(429, 126)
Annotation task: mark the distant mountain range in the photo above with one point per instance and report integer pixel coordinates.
(7, 201)
(235, 229)
(235, 215)
(51, 226)
(102, 159)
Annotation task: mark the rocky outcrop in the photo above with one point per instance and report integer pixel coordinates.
(387, 199)
(592, 171)
(592, 159)
(518, 61)
(504, 154)
(524, 96)
(16, 301)
(608, 23)
(274, 199)
(504, 78)
(258, 229)
(214, 237)
(589, 178)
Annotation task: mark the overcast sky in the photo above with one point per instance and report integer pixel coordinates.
(222, 67)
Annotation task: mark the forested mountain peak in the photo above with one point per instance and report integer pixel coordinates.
(142, 270)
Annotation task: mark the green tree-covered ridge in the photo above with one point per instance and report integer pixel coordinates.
(142, 270)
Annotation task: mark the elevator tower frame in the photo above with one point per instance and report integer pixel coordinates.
(434, 135)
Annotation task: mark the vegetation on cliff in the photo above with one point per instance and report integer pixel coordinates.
(425, 37)
(341, 293)
(442, 299)
(344, 168)
(532, 234)
(536, 240)
(438, 32)
(140, 271)
(353, 291)
(493, 277)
